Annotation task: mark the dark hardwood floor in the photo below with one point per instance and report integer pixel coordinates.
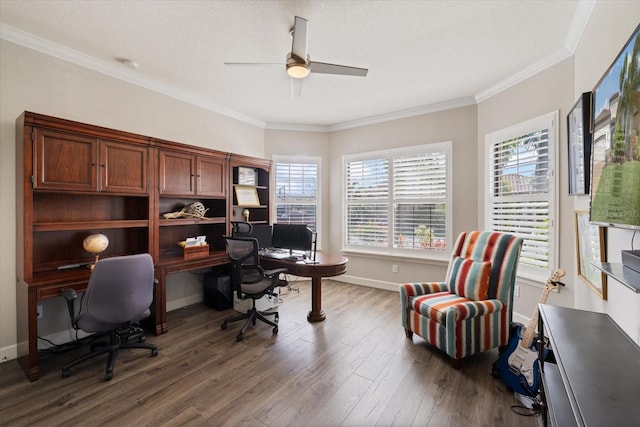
(355, 369)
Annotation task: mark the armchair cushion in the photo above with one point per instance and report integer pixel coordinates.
(469, 278)
(437, 306)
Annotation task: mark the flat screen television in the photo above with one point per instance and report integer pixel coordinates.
(615, 153)
(292, 236)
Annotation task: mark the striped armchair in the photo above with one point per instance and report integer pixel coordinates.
(470, 312)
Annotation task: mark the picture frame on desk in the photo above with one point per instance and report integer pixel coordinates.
(591, 248)
(247, 196)
(579, 145)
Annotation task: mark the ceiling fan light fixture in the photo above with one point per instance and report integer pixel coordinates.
(298, 70)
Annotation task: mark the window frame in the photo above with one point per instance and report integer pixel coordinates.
(317, 160)
(546, 121)
(445, 147)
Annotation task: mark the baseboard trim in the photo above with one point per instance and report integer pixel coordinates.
(9, 352)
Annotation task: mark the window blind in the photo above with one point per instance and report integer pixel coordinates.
(521, 192)
(398, 200)
(296, 186)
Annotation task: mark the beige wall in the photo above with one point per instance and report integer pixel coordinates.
(456, 125)
(32, 81)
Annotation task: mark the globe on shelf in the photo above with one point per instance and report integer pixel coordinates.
(95, 244)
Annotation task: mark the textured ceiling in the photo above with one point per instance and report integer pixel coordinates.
(420, 54)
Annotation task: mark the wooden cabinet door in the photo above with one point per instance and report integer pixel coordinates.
(123, 167)
(176, 173)
(64, 161)
(211, 177)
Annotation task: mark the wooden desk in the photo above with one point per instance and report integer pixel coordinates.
(158, 318)
(327, 265)
(49, 284)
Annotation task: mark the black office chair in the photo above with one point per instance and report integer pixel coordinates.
(241, 229)
(118, 296)
(251, 281)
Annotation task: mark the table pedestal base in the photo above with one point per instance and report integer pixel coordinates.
(317, 313)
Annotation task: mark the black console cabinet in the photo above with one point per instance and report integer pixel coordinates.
(596, 378)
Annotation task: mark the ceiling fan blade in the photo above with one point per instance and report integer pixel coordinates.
(324, 68)
(299, 43)
(296, 87)
(253, 64)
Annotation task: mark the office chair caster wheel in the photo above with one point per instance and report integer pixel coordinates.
(142, 339)
(239, 337)
(275, 330)
(66, 373)
(276, 317)
(224, 325)
(108, 375)
(154, 352)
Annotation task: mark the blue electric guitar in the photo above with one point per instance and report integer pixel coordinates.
(517, 366)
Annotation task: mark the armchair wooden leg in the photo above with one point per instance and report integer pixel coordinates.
(455, 363)
(408, 333)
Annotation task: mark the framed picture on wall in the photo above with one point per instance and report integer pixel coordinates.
(590, 249)
(579, 141)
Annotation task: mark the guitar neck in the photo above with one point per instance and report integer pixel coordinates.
(527, 339)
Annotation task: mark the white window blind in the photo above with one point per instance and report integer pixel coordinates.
(521, 190)
(398, 201)
(420, 191)
(296, 191)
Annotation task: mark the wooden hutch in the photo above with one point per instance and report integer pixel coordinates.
(76, 179)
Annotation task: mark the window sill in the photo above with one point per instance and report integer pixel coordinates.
(432, 260)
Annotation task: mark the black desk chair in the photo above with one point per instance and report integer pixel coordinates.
(241, 229)
(119, 294)
(251, 281)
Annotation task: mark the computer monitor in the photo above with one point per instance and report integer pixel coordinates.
(262, 232)
(295, 237)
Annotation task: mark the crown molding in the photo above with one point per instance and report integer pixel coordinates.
(297, 127)
(116, 71)
(403, 114)
(579, 24)
(556, 57)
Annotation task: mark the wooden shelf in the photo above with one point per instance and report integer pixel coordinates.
(191, 221)
(89, 225)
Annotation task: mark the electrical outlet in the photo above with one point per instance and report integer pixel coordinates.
(394, 268)
(39, 311)
(516, 290)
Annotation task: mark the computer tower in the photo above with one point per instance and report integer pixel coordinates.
(217, 290)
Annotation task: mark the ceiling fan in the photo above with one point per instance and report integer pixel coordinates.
(298, 63)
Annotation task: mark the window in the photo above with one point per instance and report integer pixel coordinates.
(398, 201)
(297, 190)
(521, 190)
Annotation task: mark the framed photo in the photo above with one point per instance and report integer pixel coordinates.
(579, 141)
(247, 176)
(591, 248)
(247, 196)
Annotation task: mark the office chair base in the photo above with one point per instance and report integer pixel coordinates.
(118, 340)
(251, 316)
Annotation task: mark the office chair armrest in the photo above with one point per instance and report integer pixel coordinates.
(276, 271)
(274, 275)
(70, 295)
